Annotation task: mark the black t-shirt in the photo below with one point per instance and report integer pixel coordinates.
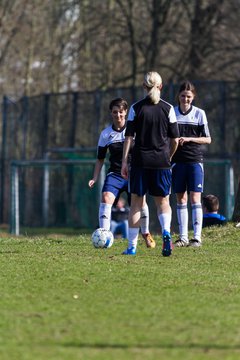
(152, 125)
(112, 140)
(191, 124)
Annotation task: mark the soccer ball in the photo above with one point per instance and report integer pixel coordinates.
(102, 238)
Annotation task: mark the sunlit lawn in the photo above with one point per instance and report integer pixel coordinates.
(63, 299)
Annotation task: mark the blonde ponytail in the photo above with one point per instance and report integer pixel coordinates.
(153, 82)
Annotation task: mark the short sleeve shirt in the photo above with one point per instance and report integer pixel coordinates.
(152, 126)
(112, 140)
(193, 123)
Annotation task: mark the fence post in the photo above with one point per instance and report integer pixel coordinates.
(14, 213)
(3, 154)
(45, 123)
(236, 212)
(97, 101)
(46, 191)
(74, 119)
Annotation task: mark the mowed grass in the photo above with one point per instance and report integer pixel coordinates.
(63, 299)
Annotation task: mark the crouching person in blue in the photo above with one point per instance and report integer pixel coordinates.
(210, 211)
(119, 219)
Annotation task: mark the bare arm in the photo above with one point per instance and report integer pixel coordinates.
(126, 148)
(197, 140)
(97, 170)
(173, 146)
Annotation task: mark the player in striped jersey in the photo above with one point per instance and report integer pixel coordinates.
(187, 168)
(111, 139)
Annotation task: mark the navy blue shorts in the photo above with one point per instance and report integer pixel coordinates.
(187, 177)
(157, 182)
(115, 184)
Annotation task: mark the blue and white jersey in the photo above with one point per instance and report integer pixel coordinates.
(112, 140)
(193, 123)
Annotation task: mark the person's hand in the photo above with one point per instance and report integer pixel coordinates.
(183, 140)
(124, 170)
(91, 183)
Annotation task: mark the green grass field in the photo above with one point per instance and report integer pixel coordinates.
(63, 299)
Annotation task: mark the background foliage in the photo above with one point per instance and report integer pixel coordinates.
(81, 45)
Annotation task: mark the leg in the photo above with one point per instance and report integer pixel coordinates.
(196, 176)
(105, 209)
(182, 216)
(179, 185)
(144, 221)
(112, 187)
(113, 227)
(125, 229)
(164, 212)
(197, 215)
(134, 223)
(144, 224)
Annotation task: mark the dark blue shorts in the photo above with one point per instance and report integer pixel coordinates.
(187, 177)
(157, 182)
(115, 184)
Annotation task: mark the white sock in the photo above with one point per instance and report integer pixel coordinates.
(182, 215)
(105, 216)
(133, 237)
(197, 218)
(165, 221)
(144, 220)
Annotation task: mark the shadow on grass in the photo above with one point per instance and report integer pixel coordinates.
(204, 347)
(35, 231)
(9, 252)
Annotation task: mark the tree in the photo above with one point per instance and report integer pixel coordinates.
(71, 45)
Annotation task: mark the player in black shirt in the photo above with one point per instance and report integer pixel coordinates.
(152, 124)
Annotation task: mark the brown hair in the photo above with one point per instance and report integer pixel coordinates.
(211, 203)
(187, 86)
(119, 102)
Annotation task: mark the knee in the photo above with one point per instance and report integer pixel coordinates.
(108, 198)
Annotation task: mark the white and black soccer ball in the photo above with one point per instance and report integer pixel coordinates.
(102, 238)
